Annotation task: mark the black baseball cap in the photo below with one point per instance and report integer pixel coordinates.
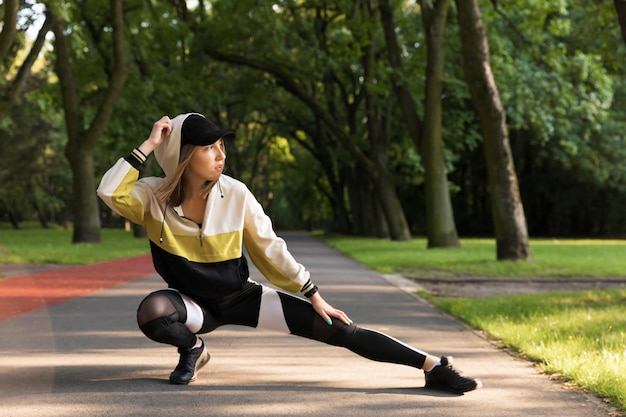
(200, 131)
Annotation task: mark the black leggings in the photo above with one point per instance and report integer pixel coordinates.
(166, 316)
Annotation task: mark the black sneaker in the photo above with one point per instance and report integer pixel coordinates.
(446, 377)
(191, 360)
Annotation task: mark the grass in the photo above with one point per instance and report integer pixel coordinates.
(54, 245)
(476, 257)
(579, 336)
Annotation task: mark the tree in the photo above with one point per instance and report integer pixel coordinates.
(374, 159)
(440, 224)
(558, 67)
(427, 136)
(15, 84)
(34, 174)
(9, 27)
(296, 78)
(620, 8)
(336, 98)
(508, 212)
(78, 105)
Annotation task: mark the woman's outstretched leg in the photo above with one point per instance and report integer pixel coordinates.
(302, 320)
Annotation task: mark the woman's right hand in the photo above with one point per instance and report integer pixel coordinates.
(160, 130)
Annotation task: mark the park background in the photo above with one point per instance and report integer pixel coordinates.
(383, 118)
(410, 125)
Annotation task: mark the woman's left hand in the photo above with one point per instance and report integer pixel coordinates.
(326, 311)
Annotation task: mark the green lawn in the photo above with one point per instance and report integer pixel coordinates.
(580, 336)
(476, 257)
(54, 245)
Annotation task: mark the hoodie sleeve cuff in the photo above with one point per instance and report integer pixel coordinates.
(309, 289)
(136, 158)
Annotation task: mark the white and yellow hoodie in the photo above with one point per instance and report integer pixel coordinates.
(204, 261)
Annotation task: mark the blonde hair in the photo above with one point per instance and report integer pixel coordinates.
(172, 192)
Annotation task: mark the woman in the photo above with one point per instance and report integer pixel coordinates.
(198, 221)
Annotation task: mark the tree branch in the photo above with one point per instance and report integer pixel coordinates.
(22, 75)
(118, 76)
(9, 26)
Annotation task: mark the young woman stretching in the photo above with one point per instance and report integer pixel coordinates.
(198, 221)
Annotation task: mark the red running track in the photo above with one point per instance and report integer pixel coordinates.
(25, 293)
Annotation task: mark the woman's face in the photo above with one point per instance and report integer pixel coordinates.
(207, 162)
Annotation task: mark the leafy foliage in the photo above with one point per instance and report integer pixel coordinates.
(35, 176)
(557, 64)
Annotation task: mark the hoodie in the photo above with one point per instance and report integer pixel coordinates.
(204, 261)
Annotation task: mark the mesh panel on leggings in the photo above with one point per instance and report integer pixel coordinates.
(161, 317)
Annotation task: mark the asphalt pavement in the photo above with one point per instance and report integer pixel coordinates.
(86, 357)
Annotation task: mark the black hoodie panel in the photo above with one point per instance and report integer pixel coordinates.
(207, 280)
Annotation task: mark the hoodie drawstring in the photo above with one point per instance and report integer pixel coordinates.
(162, 225)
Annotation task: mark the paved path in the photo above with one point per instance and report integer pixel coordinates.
(85, 357)
(34, 288)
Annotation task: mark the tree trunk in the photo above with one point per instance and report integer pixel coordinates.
(139, 231)
(13, 219)
(81, 142)
(376, 138)
(400, 87)
(41, 216)
(84, 205)
(9, 26)
(368, 217)
(508, 212)
(341, 216)
(620, 8)
(15, 86)
(440, 224)
(335, 175)
(358, 193)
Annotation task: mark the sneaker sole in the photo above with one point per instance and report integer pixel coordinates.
(204, 359)
(443, 387)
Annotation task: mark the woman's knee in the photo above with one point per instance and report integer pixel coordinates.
(161, 317)
(164, 307)
(161, 304)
